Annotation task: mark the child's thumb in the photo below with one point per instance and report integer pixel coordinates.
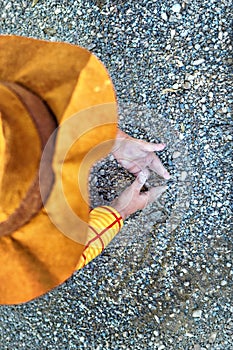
(140, 180)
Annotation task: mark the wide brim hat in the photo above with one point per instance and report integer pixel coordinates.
(57, 105)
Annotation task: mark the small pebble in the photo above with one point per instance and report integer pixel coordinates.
(57, 11)
(176, 8)
(197, 347)
(198, 62)
(186, 85)
(212, 337)
(176, 154)
(173, 33)
(197, 313)
(190, 335)
(197, 46)
(175, 86)
(180, 63)
(164, 16)
(183, 175)
(203, 108)
(161, 347)
(223, 283)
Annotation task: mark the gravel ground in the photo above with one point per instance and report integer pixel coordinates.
(165, 282)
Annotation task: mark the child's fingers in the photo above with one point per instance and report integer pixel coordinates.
(140, 180)
(157, 166)
(151, 147)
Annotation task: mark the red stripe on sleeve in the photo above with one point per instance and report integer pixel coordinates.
(118, 219)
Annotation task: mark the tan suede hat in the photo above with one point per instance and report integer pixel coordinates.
(43, 86)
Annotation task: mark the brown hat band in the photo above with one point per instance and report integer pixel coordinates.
(45, 124)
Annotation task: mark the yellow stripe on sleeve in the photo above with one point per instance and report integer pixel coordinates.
(104, 223)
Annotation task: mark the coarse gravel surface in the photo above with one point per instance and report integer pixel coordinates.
(165, 282)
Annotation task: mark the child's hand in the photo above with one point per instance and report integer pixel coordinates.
(137, 155)
(132, 199)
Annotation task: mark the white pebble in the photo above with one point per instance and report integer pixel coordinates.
(198, 62)
(180, 63)
(176, 8)
(176, 154)
(186, 85)
(220, 35)
(8, 6)
(183, 175)
(223, 283)
(57, 11)
(175, 86)
(94, 180)
(197, 347)
(197, 313)
(203, 108)
(211, 95)
(184, 270)
(161, 347)
(181, 136)
(190, 335)
(184, 33)
(164, 16)
(173, 33)
(212, 337)
(224, 109)
(190, 77)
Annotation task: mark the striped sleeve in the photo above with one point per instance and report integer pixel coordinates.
(104, 223)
